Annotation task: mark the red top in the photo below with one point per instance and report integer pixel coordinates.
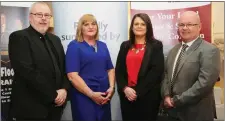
(133, 62)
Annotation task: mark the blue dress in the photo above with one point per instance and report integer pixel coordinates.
(92, 68)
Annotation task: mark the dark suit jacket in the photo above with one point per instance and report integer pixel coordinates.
(34, 88)
(151, 71)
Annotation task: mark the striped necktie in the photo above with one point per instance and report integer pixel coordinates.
(184, 47)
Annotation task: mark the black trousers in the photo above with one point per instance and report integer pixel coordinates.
(54, 114)
(145, 109)
(167, 115)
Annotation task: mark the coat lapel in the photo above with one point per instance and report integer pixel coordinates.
(56, 47)
(36, 39)
(146, 60)
(171, 59)
(193, 47)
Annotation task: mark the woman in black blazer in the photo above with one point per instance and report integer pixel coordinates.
(139, 71)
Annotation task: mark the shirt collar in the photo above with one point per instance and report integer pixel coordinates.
(190, 43)
(38, 33)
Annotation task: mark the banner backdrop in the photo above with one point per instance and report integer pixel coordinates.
(164, 16)
(12, 19)
(112, 22)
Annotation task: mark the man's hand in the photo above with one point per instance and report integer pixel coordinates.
(130, 94)
(61, 97)
(168, 102)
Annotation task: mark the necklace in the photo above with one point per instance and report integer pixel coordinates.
(137, 50)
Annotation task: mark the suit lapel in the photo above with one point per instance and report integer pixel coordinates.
(146, 60)
(36, 39)
(56, 47)
(54, 43)
(193, 47)
(171, 59)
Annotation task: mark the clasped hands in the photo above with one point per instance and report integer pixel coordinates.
(102, 98)
(168, 102)
(61, 97)
(130, 94)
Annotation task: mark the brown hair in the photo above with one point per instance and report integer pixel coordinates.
(149, 34)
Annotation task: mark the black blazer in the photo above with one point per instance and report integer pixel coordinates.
(34, 88)
(151, 71)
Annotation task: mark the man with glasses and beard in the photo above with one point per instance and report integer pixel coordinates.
(40, 85)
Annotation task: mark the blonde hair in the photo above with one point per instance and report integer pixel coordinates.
(85, 18)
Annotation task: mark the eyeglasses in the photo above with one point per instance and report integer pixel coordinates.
(40, 15)
(187, 25)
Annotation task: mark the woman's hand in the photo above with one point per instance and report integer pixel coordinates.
(130, 94)
(98, 97)
(109, 94)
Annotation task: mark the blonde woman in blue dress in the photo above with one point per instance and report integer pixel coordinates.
(90, 69)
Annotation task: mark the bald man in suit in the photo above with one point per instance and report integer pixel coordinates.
(191, 71)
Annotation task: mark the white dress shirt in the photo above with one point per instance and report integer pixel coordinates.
(189, 44)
